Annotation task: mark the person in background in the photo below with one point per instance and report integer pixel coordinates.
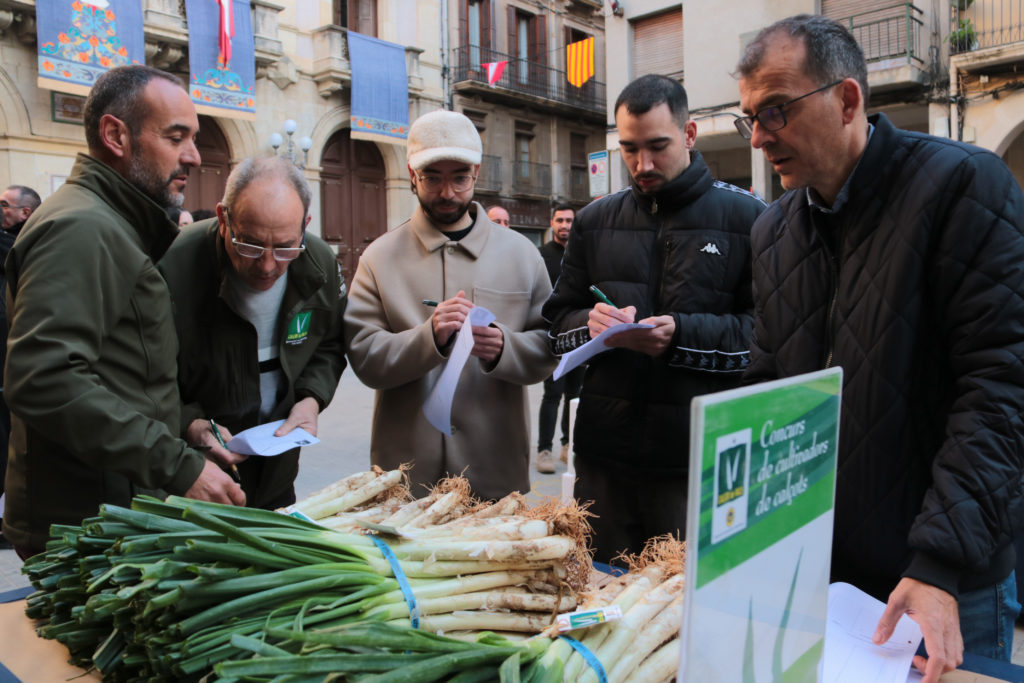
(449, 254)
(185, 218)
(202, 215)
(569, 384)
(498, 216)
(896, 256)
(90, 374)
(258, 305)
(17, 203)
(672, 251)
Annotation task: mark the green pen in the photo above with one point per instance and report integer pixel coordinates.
(429, 302)
(600, 296)
(220, 439)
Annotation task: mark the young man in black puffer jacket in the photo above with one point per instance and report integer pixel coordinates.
(672, 250)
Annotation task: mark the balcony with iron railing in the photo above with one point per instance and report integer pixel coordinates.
(980, 24)
(531, 178)
(537, 82)
(893, 32)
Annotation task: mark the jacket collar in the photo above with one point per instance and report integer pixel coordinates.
(150, 222)
(433, 239)
(686, 188)
(303, 274)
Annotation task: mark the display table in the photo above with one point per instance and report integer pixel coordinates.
(24, 656)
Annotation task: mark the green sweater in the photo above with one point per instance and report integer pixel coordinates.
(91, 371)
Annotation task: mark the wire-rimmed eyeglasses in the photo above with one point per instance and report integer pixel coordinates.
(255, 251)
(458, 183)
(773, 118)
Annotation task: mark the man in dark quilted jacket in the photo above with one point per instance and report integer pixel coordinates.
(896, 255)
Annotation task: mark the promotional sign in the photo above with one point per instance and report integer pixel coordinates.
(759, 530)
(597, 162)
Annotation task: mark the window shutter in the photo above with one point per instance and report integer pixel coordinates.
(658, 44)
(511, 32)
(540, 30)
(464, 24)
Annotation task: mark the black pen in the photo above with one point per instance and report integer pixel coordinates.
(220, 439)
(600, 296)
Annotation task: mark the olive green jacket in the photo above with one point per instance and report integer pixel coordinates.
(91, 372)
(218, 367)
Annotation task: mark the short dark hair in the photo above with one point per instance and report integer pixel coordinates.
(118, 92)
(832, 52)
(647, 92)
(562, 207)
(27, 197)
(202, 214)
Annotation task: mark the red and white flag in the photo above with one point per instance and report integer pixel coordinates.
(227, 29)
(494, 71)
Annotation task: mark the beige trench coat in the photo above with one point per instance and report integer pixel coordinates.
(391, 349)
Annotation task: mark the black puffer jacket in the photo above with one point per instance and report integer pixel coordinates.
(915, 288)
(684, 251)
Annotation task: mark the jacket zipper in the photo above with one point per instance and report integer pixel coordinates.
(830, 334)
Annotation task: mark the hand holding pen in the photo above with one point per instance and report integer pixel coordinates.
(605, 314)
(448, 317)
(232, 469)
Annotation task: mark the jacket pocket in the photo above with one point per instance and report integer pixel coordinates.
(696, 271)
(511, 309)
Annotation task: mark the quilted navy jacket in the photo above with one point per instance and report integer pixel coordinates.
(684, 251)
(915, 288)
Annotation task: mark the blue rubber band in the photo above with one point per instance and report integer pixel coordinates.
(403, 582)
(589, 657)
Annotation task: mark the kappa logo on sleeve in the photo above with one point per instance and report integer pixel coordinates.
(298, 329)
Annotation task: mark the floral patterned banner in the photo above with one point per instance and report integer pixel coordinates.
(81, 39)
(221, 58)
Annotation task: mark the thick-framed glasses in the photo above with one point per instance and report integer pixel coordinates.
(458, 183)
(773, 118)
(255, 251)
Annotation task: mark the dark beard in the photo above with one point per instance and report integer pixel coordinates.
(445, 218)
(150, 184)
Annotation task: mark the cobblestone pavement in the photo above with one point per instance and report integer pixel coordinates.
(344, 431)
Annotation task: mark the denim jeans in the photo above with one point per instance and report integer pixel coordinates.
(987, 616)
(567, 385)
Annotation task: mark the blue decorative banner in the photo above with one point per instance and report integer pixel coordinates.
(221, 55)
(79, 40)
(380, 89)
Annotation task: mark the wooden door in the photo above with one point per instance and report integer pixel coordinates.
(352, 200)
(206, 184)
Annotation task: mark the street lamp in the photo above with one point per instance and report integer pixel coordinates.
(305, 143)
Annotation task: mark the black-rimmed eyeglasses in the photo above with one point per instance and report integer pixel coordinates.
(254, 251)
(773, 118)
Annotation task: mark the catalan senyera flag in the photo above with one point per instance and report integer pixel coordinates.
(579, 61)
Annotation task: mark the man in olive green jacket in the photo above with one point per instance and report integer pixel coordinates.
(258, 305)
(90, 374)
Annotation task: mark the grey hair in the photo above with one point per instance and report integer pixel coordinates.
(118, 92)
(27, 197)
(832, 51)
(256, 168)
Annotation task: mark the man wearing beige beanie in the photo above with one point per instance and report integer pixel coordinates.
(451, 253)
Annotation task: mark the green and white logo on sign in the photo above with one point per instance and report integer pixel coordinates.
(298, 329)
(732, 481)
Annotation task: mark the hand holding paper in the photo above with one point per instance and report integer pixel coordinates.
(438, 408)
(261, 440)
(598, 344)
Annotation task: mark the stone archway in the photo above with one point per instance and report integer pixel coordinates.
(353, 209)
(206, 183)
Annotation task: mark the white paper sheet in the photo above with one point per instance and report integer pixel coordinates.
(849, 653)
(597, 345)
(438, 407)
(260, 440)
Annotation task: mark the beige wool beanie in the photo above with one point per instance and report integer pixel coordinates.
(443, 136)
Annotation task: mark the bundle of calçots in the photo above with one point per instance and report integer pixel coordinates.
(165, 590)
